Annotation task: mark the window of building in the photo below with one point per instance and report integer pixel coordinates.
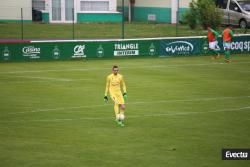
(38, 4)
(94, 5)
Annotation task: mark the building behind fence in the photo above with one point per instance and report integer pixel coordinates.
(66, 11)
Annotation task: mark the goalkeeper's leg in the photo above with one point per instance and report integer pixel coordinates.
(116, 109)
(122, 110)
(119, 108)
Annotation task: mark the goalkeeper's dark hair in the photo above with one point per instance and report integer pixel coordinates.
(115, 66)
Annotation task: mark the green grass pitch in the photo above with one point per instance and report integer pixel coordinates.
(180, 112)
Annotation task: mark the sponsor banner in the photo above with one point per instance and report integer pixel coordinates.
(136, 48)
(126, 53)
(128, 48)
(183, 47)
(59, 50)
(42, 51)
(79, 51)
(31, 51)
(240, 44)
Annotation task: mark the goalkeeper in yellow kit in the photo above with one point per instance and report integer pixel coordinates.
(114, 84)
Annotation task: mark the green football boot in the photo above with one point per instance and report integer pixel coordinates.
(118, 122)
(122, 123)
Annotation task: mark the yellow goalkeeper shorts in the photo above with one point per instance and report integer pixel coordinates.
(117, 97)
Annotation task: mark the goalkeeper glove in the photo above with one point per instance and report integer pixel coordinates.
(125, 96)
(106, 99)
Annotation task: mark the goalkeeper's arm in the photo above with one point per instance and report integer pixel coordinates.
(125, 96)
(106, 99)
(106, 91)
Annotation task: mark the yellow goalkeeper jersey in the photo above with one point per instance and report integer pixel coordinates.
(114, 84)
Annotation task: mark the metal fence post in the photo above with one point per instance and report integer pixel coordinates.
(73, 23)
(177, 23)
(177, 18)
(22, 23)
(122, 35)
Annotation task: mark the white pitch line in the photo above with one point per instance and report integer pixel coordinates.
(175, 113)
(244, 71)
(62, 108)
(44, 78)
(54, 70)
(190, 100)
(132, 103)
(189, 113)
(128, 67)
(43, 81)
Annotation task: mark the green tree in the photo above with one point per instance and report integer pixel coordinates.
(190, 17)
(205, 13)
